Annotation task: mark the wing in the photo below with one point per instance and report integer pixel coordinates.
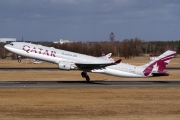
(84, 66)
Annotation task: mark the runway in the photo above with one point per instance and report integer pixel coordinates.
(74, 84)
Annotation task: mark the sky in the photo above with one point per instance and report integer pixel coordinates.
(90, 20)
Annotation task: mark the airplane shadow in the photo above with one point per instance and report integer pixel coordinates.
(93, 83)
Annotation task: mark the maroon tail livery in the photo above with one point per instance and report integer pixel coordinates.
(156, 67)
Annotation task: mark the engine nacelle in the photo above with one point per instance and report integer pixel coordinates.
(64, 65)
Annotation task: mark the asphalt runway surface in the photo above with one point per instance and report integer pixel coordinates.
(94, 83)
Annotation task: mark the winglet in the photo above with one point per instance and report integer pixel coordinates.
(118, 61)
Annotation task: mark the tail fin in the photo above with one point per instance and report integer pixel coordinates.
(158, 65)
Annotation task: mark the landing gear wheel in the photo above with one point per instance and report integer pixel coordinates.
(83, 74)
(87, 78)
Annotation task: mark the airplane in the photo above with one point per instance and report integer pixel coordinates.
(67, 60)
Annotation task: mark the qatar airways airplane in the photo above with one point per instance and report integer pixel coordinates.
(67, 60)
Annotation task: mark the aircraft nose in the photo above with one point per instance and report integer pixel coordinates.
(6, 46)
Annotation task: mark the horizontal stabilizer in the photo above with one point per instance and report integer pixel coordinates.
(160, 74)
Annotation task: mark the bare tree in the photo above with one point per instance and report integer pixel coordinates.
(3, 51)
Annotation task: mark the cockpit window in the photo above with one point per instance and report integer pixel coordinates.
(11, 44)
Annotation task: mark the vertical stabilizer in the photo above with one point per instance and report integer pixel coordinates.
(158, 65)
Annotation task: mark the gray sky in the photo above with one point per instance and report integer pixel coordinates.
(90, 20)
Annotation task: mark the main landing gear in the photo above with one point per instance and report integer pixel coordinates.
(85, 75)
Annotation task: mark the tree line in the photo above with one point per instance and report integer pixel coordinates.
(127, 48)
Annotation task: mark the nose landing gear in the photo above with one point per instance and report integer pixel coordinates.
(85, 75)
(19, 58)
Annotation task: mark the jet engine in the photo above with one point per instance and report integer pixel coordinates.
(64, 65)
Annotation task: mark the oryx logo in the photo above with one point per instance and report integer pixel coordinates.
(158, 65)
